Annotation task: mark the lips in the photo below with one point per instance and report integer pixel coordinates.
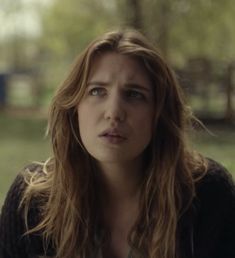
(113, 134)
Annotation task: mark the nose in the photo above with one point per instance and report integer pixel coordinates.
(115, 109)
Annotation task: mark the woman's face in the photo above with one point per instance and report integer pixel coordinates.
(116, 113)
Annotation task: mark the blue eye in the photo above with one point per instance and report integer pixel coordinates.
(97, 91)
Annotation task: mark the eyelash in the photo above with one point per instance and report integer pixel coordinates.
(137, 95)
(128, 94)
(100, 91)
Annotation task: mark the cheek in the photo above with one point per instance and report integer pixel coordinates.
(144, 128)
(144, 120)
(87, 121)
(83, 120)
(145, 133)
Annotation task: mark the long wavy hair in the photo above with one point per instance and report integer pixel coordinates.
(66, 187)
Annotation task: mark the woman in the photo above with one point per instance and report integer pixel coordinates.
(122, 181)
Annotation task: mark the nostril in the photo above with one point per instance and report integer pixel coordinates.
(118, 117)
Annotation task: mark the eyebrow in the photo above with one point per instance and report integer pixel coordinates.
(97, 83)
(127, 85)
(138, 86)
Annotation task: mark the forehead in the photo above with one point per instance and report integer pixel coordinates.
(110, 65)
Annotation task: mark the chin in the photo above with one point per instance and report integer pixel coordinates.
(110, 160)
(118, 159)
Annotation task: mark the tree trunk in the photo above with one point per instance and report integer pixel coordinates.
(134, 16)
(165, 18)
(229, 92)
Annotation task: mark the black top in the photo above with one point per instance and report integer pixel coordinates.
(206, 230)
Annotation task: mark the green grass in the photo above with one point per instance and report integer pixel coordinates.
(22, 141)
(218, 144)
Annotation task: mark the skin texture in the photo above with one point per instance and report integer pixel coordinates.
(119, 99)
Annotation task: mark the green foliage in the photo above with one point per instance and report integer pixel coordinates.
(188, 28)
(182, 28)
(69, 26)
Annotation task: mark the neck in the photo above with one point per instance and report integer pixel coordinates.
(120, 181)
(119, 190)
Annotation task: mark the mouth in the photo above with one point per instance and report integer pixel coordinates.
(114, 136)
(113, 133)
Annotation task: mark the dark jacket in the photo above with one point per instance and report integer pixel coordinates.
(206, 229)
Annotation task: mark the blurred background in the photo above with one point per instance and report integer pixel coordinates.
(40, 39)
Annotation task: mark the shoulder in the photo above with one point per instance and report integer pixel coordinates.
(20, 183)
(214, 225)
(216, 190)
(12, 226)
(217, 183)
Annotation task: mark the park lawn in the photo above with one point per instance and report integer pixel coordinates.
(218, 144)
(23, 141)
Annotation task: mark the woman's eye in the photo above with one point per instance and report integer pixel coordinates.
(135, 95)
(97, 92)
